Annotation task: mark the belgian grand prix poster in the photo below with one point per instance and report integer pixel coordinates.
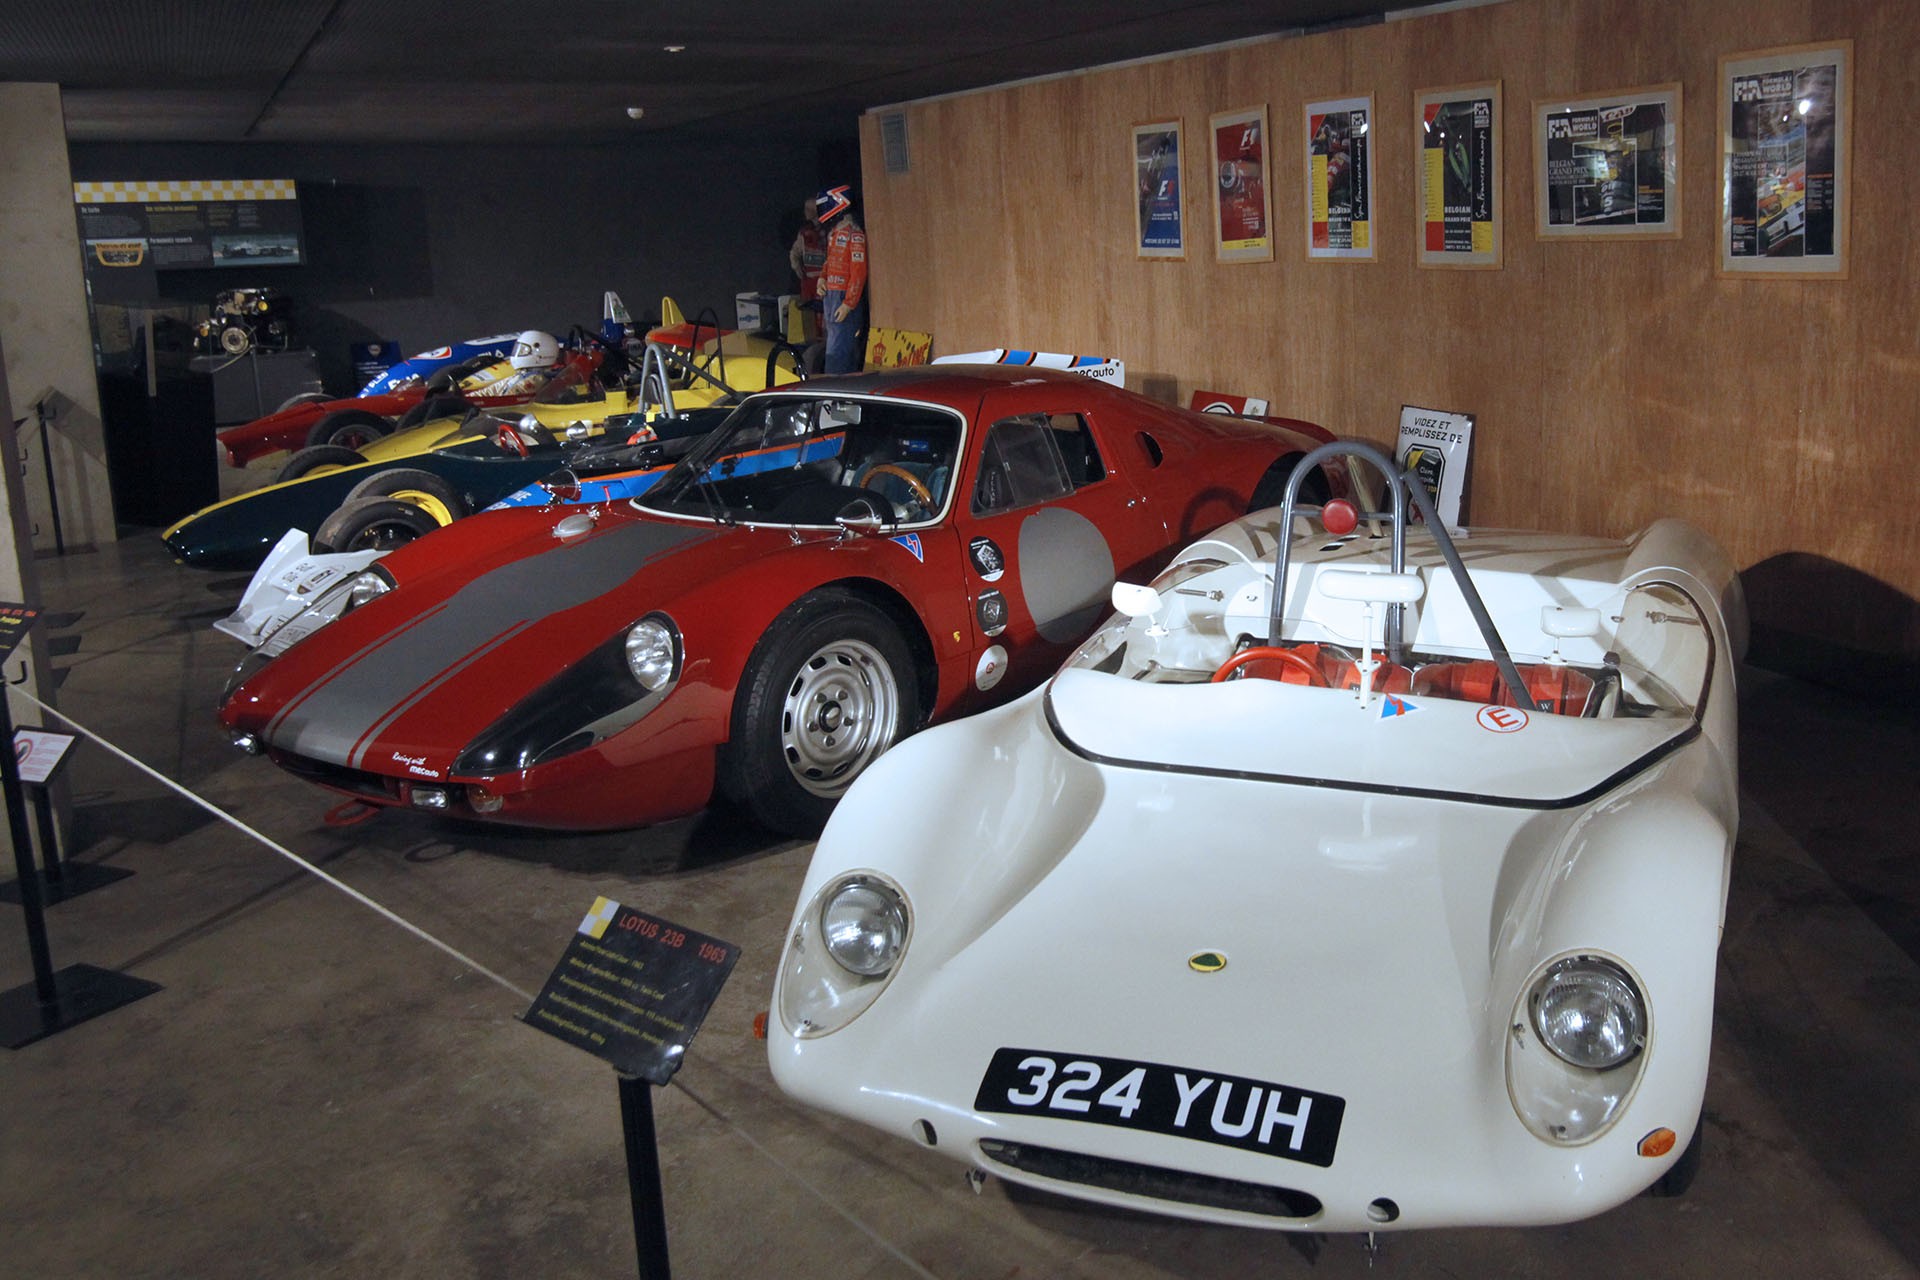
(1459, 178)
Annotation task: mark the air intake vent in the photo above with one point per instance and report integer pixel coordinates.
(1152, 1182)
(893, 140)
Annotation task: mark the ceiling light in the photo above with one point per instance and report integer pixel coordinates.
(634, 113)
(676, 48)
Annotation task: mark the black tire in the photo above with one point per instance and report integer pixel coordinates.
(350, 428)
(431, 409)
(1272, 488)
(405, 482)
(372, 524)
(305, 397)
(310, 460)
(791, 755)
(1681, 1173)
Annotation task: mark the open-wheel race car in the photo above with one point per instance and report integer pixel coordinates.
(1386, 898)
(834, 566)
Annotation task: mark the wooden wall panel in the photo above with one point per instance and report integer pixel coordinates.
(1612, 382)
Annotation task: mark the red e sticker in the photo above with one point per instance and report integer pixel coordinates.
(1502, 719)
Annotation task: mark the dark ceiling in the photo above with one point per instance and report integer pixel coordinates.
(295, 71)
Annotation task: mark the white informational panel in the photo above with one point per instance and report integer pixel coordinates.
(1435, 445)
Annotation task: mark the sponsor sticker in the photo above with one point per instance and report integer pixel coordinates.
(988, 560)
(1501, 719)
(991, 609)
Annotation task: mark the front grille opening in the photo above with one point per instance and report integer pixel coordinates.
(1151, 1181)
(370, 786)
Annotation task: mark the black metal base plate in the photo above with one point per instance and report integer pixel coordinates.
(82, 991)
(75, 879)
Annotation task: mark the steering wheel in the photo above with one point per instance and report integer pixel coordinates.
(509, 438)
(1263, 653)
(920, 490)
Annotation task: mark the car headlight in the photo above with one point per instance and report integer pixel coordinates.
(609, 689)
(864, 923)
(1588, 1012)
(846, 946)
(365, 586)
(652, 652)
(1577, 1044)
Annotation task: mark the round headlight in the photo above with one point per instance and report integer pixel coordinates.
(651, 653)
(1589, 1013)
(864, 923)
(365, 587)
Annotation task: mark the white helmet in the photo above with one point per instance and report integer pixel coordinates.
(535, 349)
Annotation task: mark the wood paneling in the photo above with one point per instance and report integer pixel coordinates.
(1613, 382)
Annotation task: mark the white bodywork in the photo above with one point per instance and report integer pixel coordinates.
(1380, 883)
(281, 602)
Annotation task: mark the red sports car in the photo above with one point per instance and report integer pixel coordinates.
(836, 565)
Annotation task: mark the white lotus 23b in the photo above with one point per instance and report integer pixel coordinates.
(1396, 906)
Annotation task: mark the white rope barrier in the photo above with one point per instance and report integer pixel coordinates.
(467, 960)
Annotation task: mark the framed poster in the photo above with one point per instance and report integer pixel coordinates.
(1459, 176)
(1159, 222)
(1786, 119)
(1340, 179)
(1242, 208)
(1608, 166)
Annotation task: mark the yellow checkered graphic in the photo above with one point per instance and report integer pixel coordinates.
(204, 189)
(596, 921)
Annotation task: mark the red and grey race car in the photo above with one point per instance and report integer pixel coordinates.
(835, 566)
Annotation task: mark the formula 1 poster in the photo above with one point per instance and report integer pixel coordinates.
(1159, 223)
(1340, 178)
(1459, 178)
(1785, 125)
(1608, 166)
(1242, 208)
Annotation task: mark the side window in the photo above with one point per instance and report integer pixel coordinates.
(1034, 458)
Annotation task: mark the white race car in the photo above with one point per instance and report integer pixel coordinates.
(1300, 918)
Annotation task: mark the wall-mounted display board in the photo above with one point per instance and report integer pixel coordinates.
(1607, 166)
(1242, 205)
(1339, 156)
(1159, 219)
(1786, 118)
(131, 230)
(1458, 152)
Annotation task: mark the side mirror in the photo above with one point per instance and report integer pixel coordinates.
(1370, 588)
(1562, 623)
(859, 517)
(1135, 601)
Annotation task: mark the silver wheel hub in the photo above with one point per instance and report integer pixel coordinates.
(840, 711)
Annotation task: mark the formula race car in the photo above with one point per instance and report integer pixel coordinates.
(834, 566)
(1388, 897)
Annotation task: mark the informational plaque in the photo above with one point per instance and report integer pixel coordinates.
(39, 752)
(632, 989)
(14, 621)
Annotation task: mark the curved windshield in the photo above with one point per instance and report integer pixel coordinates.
(804, 460)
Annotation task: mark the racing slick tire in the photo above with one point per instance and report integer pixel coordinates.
(304, 397)
(435, 495)
(372, 524)
(320, 457)
(349, 427)
(430, 409)
(829, 687)
(1272, 488)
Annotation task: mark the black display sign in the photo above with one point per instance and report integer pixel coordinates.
(129, 231)
(14, 621)
(632, 990)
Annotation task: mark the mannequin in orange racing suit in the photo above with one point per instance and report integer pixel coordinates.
(843, 282)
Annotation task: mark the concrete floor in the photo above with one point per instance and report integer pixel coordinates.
(316, 1093)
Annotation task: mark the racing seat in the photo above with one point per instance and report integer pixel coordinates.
(1326, 665)
(1553, 687)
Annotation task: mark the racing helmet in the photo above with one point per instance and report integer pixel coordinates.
(535, 349)
(831, 203)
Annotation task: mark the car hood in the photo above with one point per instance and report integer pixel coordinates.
(411, 677)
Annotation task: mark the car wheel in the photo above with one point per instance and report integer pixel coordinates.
(1681, 1173)
(305, 397)
(433, 494)
(431, 409)
(1272, 488)
(372, 524)
(350, 428)
(318, 458)
(829, 687)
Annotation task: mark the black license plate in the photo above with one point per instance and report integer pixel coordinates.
(1254, 1115)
